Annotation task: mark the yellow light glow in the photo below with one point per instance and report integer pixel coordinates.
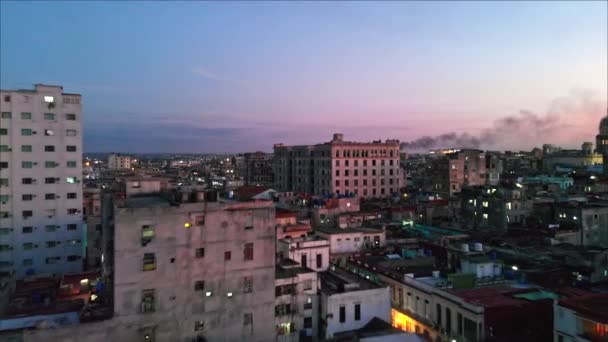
(404, 322)
(187, 224)
(93, 297)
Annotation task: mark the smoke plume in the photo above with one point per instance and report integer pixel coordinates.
(568, 121)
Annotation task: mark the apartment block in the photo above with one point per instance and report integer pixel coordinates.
(451, 172)
(119, 162)
(340, 167)
(193, 267)
(41, 223)
(258, 168)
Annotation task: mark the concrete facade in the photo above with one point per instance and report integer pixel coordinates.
(339, 167)
(119, 162)
(41, 225)
(311, 252)
(195, 270)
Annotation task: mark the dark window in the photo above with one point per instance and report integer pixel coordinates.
(303, 260)
(199, 285)
(72, 226)
(307, 322)
(49, 196)
(342, 314)
(70, 148)
(438, 314)
(247, 284)
(27, 230)
(71, 195)
(27, 197)
(200, 252)
(448, 320)
(319, 260)
(50, 180)
(227, 255)
(70, 117)
(3, 165)
(357, 312)
(248, 251)
(49, 148)
(27, 180)
(27, 213)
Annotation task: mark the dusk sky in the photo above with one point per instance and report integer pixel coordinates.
(236, 77)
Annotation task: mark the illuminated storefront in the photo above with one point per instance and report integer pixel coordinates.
(406, 323)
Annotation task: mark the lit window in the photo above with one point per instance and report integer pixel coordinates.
(49, 99)
(70, 180)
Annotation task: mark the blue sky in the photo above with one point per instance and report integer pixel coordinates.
(240, 76)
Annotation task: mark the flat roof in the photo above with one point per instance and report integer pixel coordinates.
(146, 202)
(339, 280)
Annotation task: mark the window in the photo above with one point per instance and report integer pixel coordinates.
(27, 213)
(319, 260)
(3, 131)
(26, 131)
(3, 165)
(4, 181)
(26, 116)
(71, 195)
(307, 285)
(200, 252)
(4, 148)
(70, 117)
(199, 285)
(28, 262)
(71, 164)
(149, 262)
(199, 220)
(147, 301)
(227, 255)
(49, 148)
(72, 211)
(72, 258)
(49, 132)
(70, 180)
(53, 260)
(342, 314)
(52, 244)
(50, 227)
(49, 99)
(357, 312)
(307, 322)
(6, 115)
(147, 234)
(248, 251)
(249, 221)
(248, 319)
(7, 98)
(70, 148)
(27, 165)
(247, 284)
(50, 164)
(27, 230)
(72, 226)
(49, 196)
(71, 133)
(49, 116)
(199, 325)
(27, 246)
(26, 148)
(27, 197)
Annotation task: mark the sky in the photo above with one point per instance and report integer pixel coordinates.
(224, 77)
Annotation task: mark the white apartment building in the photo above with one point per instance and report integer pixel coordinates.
(349, 302)
(119, 162)
(41, 225)
(310, 251)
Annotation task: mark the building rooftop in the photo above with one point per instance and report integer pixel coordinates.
(340, 280)
(589, 306)
(290, 272)
(332, 230)
(146, 202)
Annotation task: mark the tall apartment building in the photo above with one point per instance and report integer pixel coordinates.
(451, 172)
(119, 162)
(339, 167)
(258, 168)
(41, 226)
(193, 268)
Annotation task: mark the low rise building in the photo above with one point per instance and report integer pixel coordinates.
(351, 240)
(349, 302)
(581, 317)
(311, 252)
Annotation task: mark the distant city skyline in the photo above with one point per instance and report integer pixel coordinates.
(214, 77)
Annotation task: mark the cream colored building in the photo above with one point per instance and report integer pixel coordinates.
(41, 223)
(339, 167)
(119, 162)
